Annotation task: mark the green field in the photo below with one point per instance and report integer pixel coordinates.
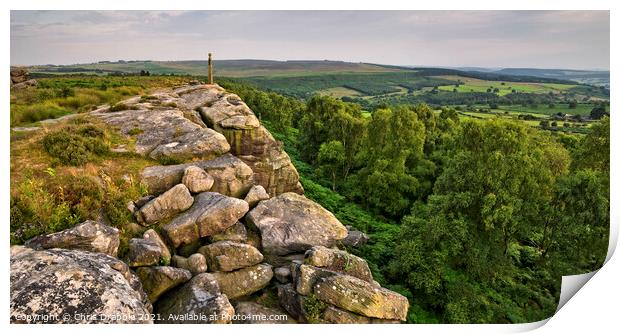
(468, 85)
(339, 92)
(514, 115)
(581, 109)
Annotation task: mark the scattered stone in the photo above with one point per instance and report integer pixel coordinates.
(56, 282)
(231, 176)
(195, 263)
(237, 233)
(166, 205)
(358, 296)
(282, 274)
(255, 195)
(157, 280)
(254, 313)
(243, 282)
(165, 252)
(339, 261)
(197, 180)
(92, 236)
(291, 223)
(228, 255)
(211, 213)
(144, 252)
(354, 237)
(198, 301)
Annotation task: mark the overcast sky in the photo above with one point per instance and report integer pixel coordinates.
(543, 39)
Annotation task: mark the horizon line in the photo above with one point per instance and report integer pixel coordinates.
(323, 60)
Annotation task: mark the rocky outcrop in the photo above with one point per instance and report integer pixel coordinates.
(166, 205)
(231, 176)
(19, 78)
(198, 301)
(18, 74)
(338, 287)
(74, 286)
(243, 282)
(92, 236)
(162, 131)
(291, 223)
(248, 139)
(203, 122)
(229, 256)
(237, 215)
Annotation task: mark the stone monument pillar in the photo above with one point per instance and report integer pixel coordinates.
(210, 70)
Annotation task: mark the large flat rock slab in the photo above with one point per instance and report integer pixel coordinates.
(165, 133)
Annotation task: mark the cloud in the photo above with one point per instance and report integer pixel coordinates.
(575, 39)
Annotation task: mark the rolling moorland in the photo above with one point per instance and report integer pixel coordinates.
(477, 190)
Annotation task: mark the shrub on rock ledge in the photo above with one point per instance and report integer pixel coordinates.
(76, 145)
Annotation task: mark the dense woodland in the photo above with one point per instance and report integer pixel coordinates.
(475, 221)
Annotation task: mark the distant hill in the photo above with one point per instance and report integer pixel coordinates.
(226, 68)
(303, 78)
(239, 68)
(598, 78)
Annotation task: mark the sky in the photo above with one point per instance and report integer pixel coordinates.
(540, 39)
